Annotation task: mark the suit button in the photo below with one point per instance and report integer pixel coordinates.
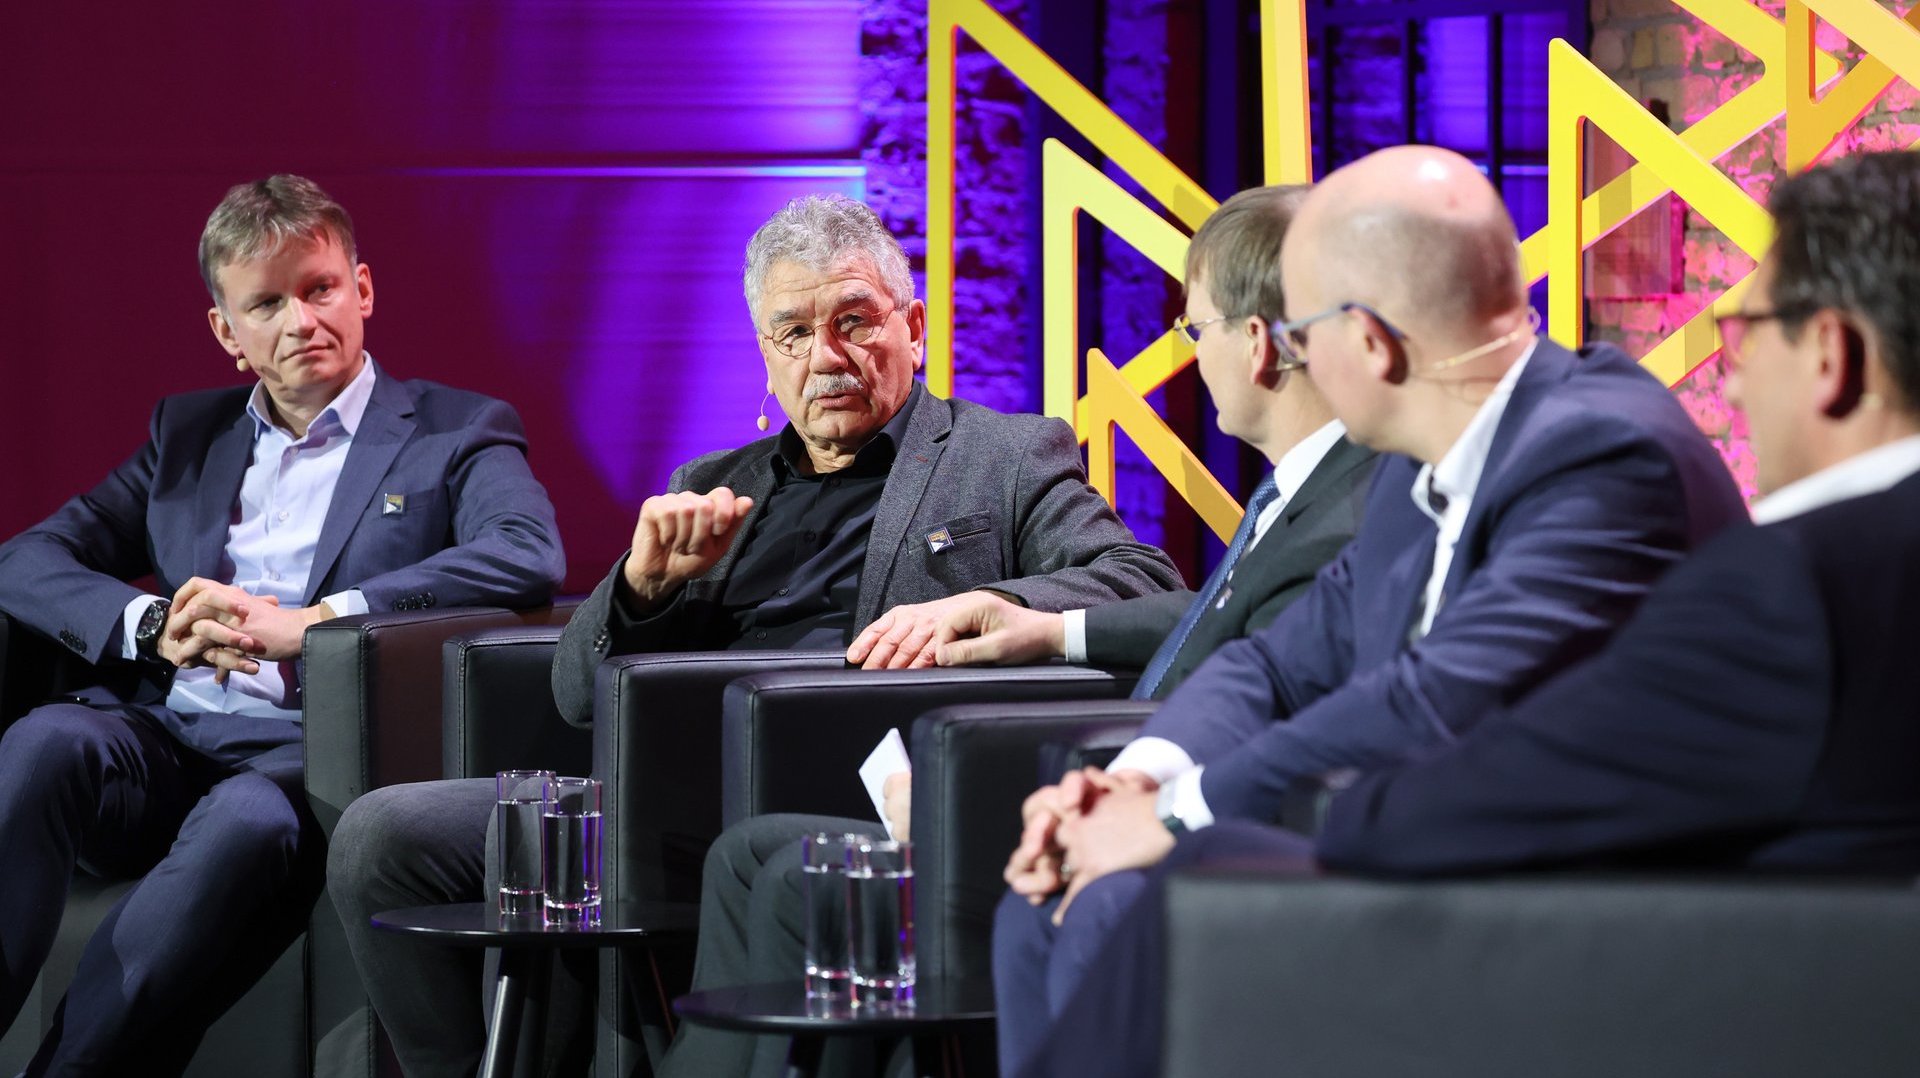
(72, 641)
(602, 641)
(426, 600)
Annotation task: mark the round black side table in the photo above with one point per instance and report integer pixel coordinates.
(942, 1011)
(525, 945)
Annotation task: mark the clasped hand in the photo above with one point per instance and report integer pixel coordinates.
(222, 626)
(1091, 823)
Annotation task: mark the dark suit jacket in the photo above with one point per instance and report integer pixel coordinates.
(476, 528)
(1318, 520)
(1008, 489)
(1596, 483)
(1759, 711)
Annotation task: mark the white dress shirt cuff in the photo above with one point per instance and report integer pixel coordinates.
(346, 603)
(1074, 624)
(1183, 800)
(130, 621)
(1156, 756)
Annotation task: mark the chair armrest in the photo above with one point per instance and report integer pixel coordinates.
(794, 742)
(371, 698)
(656, 745)
(497, 706)
(973, 766)
(1574, 977)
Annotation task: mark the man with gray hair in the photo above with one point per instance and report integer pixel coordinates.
(876, 495)
(322, 487)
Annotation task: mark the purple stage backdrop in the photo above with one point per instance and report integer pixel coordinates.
(553, 197)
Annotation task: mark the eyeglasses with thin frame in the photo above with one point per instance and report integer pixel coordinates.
(1189, 330)
(1290, 337)
(1733, 327)
(795, 341)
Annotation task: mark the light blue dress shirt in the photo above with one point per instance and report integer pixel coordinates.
(284, 495)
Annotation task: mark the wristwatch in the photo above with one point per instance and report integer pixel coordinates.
(146, 635)
(1174, 825)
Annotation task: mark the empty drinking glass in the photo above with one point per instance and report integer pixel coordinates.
(572, 852)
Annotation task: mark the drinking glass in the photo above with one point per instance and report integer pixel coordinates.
(519, 799)
(880, 904)
(571, 850)
(823, 861)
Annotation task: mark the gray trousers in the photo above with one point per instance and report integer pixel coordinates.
(428, 843)
(752, 930)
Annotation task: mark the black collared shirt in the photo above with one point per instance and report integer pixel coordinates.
(796, 582)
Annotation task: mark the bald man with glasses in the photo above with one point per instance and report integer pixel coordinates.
(1526, 500)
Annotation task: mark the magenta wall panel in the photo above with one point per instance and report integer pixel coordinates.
(554, 198)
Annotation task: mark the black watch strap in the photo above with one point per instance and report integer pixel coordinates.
(146, 635)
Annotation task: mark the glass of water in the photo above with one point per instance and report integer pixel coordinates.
(520, 797)
(824, 858)
(880, 916)
(571, 851)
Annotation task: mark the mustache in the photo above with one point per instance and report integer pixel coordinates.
(833, 385)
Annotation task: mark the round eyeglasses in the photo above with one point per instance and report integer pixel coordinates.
(795, 340)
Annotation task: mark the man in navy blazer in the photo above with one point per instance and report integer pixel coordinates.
(1756, 713)
(326, 488)
(1531, 497)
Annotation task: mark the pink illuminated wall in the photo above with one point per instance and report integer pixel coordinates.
(553, 198)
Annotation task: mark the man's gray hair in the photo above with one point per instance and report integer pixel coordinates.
(255, 219)
(819, 232)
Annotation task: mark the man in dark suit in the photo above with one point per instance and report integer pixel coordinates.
(1299, 517)
(1756, 713)
(875, 494)
(1533, 497)
(325, 488)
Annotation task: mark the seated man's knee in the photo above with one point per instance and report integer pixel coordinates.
(54, 743)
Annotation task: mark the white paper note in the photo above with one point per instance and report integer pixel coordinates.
(888, 757)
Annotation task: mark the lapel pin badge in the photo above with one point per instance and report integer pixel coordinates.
(392, 504)
(938, 540)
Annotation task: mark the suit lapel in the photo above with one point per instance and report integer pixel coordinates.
(220, 476)
(913, 466)
(1547, 368)
(753, 480)
(384, 429)
(1333, 468)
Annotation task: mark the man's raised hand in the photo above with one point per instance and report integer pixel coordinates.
(679, 537)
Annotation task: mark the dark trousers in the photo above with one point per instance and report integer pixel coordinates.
(1087, 997)
(753, 930)
(209, 813)
(423, 844)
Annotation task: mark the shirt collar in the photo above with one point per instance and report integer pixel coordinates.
(1456, 477)
(345, 410)
(1290, 472)
(790, 453)
(1871, 472)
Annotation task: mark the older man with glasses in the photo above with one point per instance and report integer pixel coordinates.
(874, 495)
(1527, 499)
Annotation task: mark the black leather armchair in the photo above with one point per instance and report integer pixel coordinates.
(973, 766)
(372, 692)
(1573, 977)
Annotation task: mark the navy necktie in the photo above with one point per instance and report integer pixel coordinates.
(1210, 593)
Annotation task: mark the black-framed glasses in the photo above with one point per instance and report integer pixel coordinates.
(795, 341)
(1290, 337)
(1733, 327)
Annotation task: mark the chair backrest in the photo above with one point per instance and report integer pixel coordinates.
(1577, 978)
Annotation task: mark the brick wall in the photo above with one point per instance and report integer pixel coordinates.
(1658, 52)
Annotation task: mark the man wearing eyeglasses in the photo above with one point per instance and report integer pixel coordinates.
(1526, 500)
(875, 494)
(1755, 714)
